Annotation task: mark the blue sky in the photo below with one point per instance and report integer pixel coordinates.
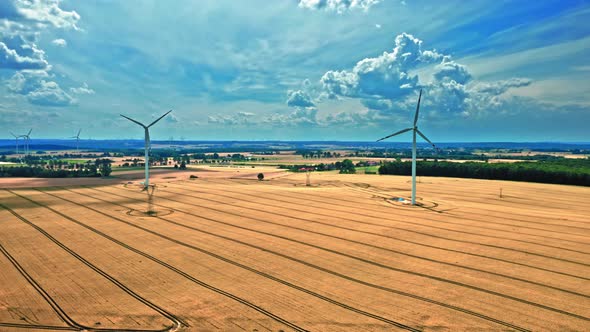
(296, 69)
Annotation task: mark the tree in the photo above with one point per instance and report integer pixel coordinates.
(104, 166)
(260, 176)
(346, 167)
(183, 165)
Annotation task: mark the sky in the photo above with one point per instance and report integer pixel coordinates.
(348, 70)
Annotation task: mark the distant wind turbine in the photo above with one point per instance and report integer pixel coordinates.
(16, 139)
(147, 145)
(27, 138)
(415, 131)
(77, 137)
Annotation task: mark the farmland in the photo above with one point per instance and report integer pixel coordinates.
(227, 252)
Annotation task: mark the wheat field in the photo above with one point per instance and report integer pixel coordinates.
(236, 254)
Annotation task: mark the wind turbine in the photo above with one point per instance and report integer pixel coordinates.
(77, 137)
(16, 139)
(27, 140)
(147, 146)
(415, 131)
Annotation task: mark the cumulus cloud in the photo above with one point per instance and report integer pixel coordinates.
(18, 54)
(50, 94)
(299, 98)
(338, 6)
(39, 89)
(60, 42)
(361, 118)
(448, 70)
(12, 60)
(386, 76)
(499, 87)
(377, 104)
(83, 90)
(42, 12)
(240, 118)
(172, 118)
(301, 116)
(389, 83)
(21, 24)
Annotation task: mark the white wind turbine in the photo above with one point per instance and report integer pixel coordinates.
(415, 131)
(77, 137)
(147, 145)
(16, 139)
(27, 138)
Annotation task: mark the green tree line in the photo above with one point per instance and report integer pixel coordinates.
(100, 167)
(566, 171)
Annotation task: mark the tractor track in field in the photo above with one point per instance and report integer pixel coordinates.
(38, 327)
(385, 196)
(352, 257)
(444, 263)
(510, 199)
(345, 239)
(289, 199)
(373, 233)
(459, 191)
(219, 257)
(72, 325)
(160, 262)
(341, 185)
(176, 322)
(388, 219)
(463, 199)
(445, 305)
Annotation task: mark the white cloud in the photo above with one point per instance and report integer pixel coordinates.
(30, 58)
(38, 89)
(499, 87)
(172, 118)
(50, 94)
(240, 118)
(60, 42)
(449, 70)
(299, 98)
(388, 84)
(84, 89)
(338, 6)
(21, 25)
(301, 116)
(386, 76)
(43, 12)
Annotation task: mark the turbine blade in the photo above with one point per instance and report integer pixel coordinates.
(130, 119)
(79, 131)
(426, 139)
(417, 109)
(158, 119)
(399, 132)
(29, 132)
(11, 133)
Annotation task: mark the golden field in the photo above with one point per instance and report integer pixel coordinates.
(226, 252)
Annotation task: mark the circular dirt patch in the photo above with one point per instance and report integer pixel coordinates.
(153, 213)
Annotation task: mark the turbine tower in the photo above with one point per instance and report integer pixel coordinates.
(415, 131)
(27, 140)
(16, 139)
(147, 146)
(77, 137)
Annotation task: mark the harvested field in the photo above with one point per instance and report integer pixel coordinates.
(233, 253)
